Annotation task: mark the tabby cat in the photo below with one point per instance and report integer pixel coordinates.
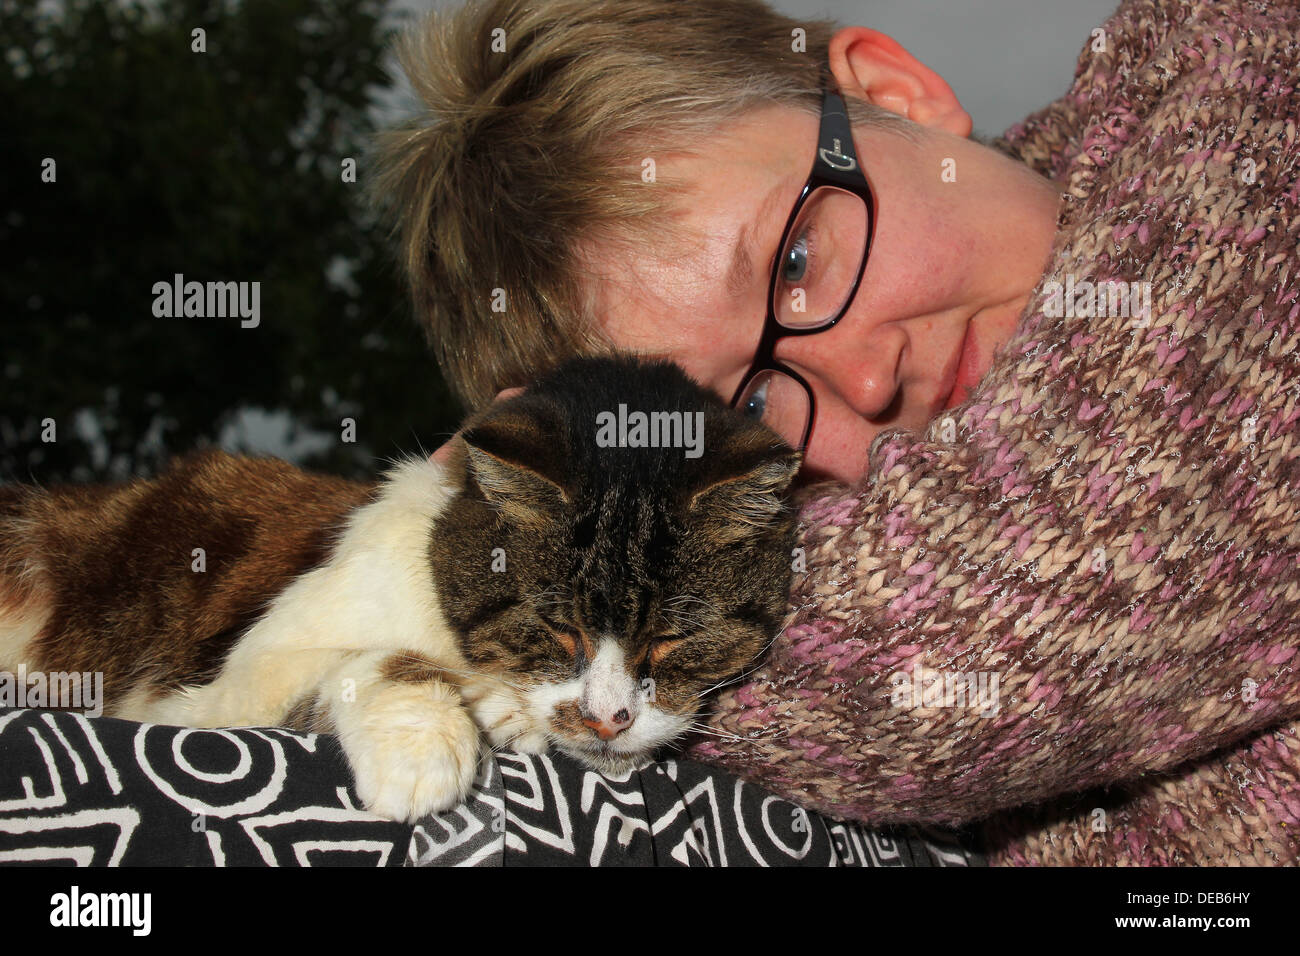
(557, 580)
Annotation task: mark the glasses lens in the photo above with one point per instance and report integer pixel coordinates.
(780, 403)
(821, 260)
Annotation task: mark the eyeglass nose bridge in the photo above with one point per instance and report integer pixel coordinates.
(770, 364)
(812, 406)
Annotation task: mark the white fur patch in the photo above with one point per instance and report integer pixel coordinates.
(22, 623)
(606, 686)
(374, 593)
(506, 720)
(413, 747)
(19, 627)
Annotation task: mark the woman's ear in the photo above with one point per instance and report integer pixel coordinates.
(874, 67)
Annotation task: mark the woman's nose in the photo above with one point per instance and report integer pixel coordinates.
(864, 369)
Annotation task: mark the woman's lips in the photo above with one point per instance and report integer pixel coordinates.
(966, 372)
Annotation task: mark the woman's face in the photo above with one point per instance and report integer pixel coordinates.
(962, 235)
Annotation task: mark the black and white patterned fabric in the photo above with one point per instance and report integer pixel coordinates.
(112, 792)
(105, 792)
(549, 810)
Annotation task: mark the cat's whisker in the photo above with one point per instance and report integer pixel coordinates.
(470, 672)
(691, 600)
(687, 598)
(688, 622)
(424, 453)
(487, 754)
(547, 599)
(757, 663)
(705, 727)
(417, 658)
(711, 732)
(719, 685)
(759, 739)
(497, 748)
(676, 608)
(821, 767)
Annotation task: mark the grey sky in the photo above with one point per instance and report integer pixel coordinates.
(1003, 58)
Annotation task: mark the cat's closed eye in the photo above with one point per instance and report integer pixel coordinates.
(661, 647)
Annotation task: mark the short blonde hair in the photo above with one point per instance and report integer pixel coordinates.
(520, 155)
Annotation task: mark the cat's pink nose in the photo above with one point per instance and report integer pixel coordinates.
(611, 727)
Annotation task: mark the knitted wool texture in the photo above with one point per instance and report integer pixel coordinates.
(1107, 526)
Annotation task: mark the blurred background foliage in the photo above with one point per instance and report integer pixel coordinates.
(223, 166)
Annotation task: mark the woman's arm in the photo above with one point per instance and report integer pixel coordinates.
(1091, 570)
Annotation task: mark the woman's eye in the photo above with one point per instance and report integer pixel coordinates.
(796, 260)
(755, 405)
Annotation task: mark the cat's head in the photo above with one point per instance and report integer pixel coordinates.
(615, 584)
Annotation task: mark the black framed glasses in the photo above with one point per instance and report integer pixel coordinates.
(818, 268)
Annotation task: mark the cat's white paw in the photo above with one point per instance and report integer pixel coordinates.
(413, 748)
(507, 723)
(530, 743)
(515, 732)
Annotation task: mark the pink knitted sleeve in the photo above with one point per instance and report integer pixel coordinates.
(1089, 571)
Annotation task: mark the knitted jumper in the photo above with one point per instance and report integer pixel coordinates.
(1088, 574)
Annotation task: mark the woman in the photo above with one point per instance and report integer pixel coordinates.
(1052, 378)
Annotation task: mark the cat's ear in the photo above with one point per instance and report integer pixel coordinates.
(517, 466)
(748, 490)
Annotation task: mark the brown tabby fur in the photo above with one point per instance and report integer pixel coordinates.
(113, 564)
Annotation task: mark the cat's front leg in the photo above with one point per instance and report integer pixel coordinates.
(412, 745)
